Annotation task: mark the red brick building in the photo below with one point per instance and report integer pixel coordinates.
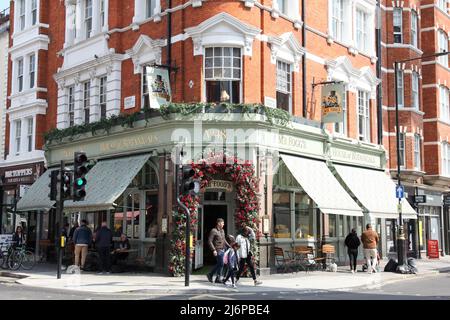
(76, 62)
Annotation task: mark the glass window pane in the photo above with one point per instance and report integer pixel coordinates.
(208, 62)
(208, 73)
(303, 217)
(236, 62)
(227, 52)
(227, 62)
(218, 52)
(217, 62)
(332, 225)
(227, 73)
(236, 52)
(282, 214)
(151, 214)
(236, 73)
(209, 52)
(217, 72)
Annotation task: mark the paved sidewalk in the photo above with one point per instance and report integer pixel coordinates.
(45, 276)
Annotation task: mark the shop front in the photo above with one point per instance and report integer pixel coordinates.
(132, 184)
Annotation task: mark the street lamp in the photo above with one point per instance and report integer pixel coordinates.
(401, 251)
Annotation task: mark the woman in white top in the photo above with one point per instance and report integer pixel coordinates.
(245, 253)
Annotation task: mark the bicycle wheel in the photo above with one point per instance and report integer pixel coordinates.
(3, 261)
(29, 260)
(14, 261)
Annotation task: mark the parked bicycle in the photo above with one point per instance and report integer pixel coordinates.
(16, 258)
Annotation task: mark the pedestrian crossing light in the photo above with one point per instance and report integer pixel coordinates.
(54, 182)
(67, 185)
(190, 185)
(79, 172)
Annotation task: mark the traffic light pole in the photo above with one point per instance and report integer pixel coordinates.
(60, 219)
(187, 262)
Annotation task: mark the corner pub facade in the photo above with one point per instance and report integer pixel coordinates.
(313, 178)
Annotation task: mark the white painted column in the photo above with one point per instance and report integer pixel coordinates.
(26, 72)
(27, 14)
(78, 21)
(95, 17)
(24, 136)
(94, 108)
(113, 90)
(62, 118)
(78, 109)
(105, 27)
(139, 11)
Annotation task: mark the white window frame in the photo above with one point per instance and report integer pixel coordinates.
(86, 101)
(443, 47)
(103, 13)
(32, 71)
(402, 149)
(442, 4)
(71, 105)
(337, 16)
(223, 78)
(398, 11)
(22, 15)
(445, 154)
(364, 116)
(88, 19)
(282, 6)
(103, 96)
(414, 28)
(415, 90)
(150, 6)
(30, 133)
(400, 87)
(34, 12)
(444, 103)
(18, 136)
(362, 27)
(283, 84)
(417, 152)
(341, 127)
(20, 75)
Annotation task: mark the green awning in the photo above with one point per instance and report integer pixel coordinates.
(106, 181)
(36, 198)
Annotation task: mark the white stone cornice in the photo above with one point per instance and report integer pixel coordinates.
(145, 50)
(288, 44)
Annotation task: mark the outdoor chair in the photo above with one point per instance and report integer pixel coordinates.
(282, 262)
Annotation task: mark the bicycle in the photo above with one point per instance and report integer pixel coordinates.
(21, 257)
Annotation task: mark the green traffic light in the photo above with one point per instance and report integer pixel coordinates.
(80, 182)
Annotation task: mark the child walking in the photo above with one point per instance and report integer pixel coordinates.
(231, 263)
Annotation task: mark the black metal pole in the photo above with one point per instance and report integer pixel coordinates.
(187, 261)
(379, 75)
(60, 219)
(169, 36)
(304, 59)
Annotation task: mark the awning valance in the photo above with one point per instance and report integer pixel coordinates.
(320, 184)
(376, 192)
(106, 181)
(37, 196)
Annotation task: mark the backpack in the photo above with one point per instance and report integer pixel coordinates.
(391, 266)
(225, 257)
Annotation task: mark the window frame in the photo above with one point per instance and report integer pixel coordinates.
(341, 127)
(103, 96)
(415, 98)
(443, 47)
(397, 10)
(18, 136)
(400, 87)
(20, 75)
(364, 117)
(71, 105)
(445, 159)
(32, 70)
(87, 101)
(414, 28)
(152, 4)
(417, 152)
(282, 6)
(362, 35)
(337, 22)
(34, 12)
(213, 67)
(444, 103)
(402, 149)
(287, 82)
(22, 15)
(88, 19)
(30, 133)
(102, 13)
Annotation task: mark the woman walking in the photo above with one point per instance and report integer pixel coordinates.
(352, 242)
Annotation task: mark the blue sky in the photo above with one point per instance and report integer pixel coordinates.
(4, 4)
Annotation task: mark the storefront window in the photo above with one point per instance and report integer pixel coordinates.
(8, 217)
(303, 217)
(283, 177)
(118, 218)
(332, 225)
(44, 225)
(282, 214)
(151, 215)
(132, 215)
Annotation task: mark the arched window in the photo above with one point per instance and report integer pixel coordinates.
(443, 47)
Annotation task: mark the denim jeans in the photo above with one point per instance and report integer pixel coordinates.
(219, 265)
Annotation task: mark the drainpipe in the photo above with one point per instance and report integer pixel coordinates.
(169, 36)
(379, 75)
(304, 60)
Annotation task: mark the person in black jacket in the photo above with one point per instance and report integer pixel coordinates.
(352, 242)
(103, 241)
(18, 239)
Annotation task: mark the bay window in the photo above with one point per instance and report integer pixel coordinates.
(223, 74)
(398, 25)
(284, 86)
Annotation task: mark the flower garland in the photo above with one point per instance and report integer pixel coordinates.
(242, 174)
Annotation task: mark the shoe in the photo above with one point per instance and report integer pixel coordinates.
(233, 285)
(374, 270)
(108, 272)
(218, 280)
(209, 277)
(353, 271)
(257, 283)
(99, 272)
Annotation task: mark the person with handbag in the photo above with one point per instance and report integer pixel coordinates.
(245, 253)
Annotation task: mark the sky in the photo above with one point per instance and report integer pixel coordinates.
(4, 4)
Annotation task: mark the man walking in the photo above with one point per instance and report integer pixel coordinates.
(82, 238)
(103, 241)
(370, 240)
(217, 243)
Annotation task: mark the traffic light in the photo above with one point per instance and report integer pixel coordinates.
(67, 185)
(54, 181)
(79, 172)
(189, 185)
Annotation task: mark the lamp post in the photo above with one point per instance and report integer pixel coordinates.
(401, 251)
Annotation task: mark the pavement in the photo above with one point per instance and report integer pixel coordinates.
(44, 276)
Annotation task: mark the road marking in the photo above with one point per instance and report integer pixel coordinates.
(209, 297)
